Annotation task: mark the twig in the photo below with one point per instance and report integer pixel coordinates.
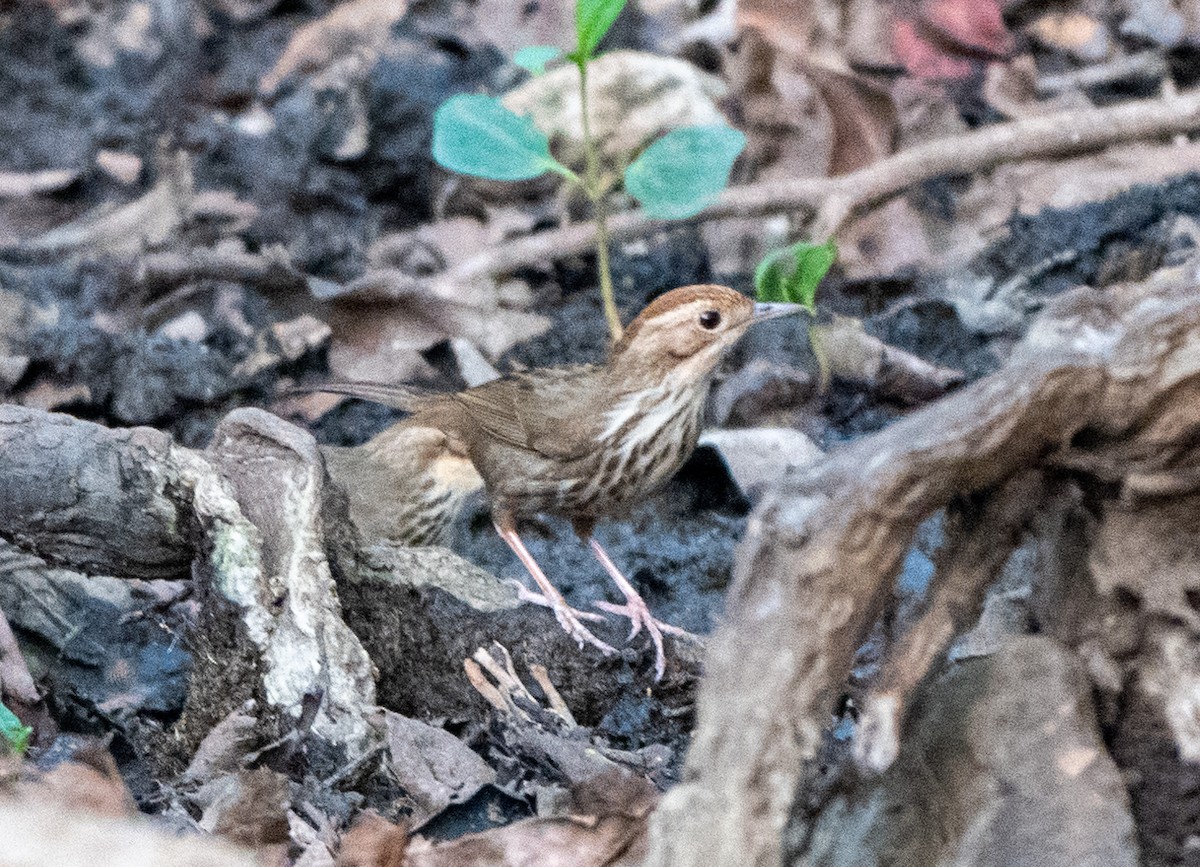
(834, 200)
(1146, 64)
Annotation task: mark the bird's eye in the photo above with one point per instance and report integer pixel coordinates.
(710, 319)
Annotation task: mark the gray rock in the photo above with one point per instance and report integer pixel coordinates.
(1002, 765)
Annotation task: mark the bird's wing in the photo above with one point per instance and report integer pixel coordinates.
(550, 413)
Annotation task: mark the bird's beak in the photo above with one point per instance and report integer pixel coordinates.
(775, 309)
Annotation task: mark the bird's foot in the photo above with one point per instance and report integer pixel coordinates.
(570, 619)
(640, 618)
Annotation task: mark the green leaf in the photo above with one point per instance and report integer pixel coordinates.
(533, 58)
(684, 171)
(593, 18)
(13, 733)
(476, 135)
(793, 273)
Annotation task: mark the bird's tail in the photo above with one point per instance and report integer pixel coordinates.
(405, 397)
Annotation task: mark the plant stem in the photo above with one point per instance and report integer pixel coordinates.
(599, 213)
(817, 342)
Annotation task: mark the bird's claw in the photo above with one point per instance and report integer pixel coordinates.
(640, 617)
(570, 619)
(535, 598)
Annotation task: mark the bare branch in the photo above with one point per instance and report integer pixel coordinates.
(836, 199)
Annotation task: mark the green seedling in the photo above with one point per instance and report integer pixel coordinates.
(793, 275)
(675, 177)
(13, 733)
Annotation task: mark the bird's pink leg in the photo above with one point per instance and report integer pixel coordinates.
(568, 618)
(637, 611)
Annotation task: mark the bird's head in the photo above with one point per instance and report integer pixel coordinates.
(685, 331)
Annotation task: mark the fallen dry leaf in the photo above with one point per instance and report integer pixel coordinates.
(248, 808)
(788, 127)
(358, 28)
(950, 39)
(402, 305)
(147, 222)
(435, 768)
(89, 783)
(760, 457)
(889, 240)
(1081, 36)
(511, 26)
(889, 372)
(35, 836)
(606, 828)
(224, 747)
(51, 396)
(373, 841)
(633, 97)
(863, 116)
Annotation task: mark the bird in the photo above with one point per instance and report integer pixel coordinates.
(406, 485)
(589, 441)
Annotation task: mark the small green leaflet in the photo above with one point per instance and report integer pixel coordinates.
(793, 273)
(476, 135)
(593, 18)
(13, 733)
(533, 58)
(684, 171)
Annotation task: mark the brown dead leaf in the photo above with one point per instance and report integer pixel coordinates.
(37, 837)
(297, 337)
(758, 458)
(357, 28)
(308, 407)
(121, 166)
(511, 26)
(1081, 36)
(249, 808)
(224, 747)
(607, 828)
(889, 240)
(806, 111)
(402, 305)
(433, 766)
(794, 25)
(51, 396)
(373, 841)
(90, 783)
(863, 116)
(789, 132)
(147, 222)
(889, 372)
(633, 97)
(384, 342)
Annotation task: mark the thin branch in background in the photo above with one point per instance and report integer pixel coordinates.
(833, 201)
